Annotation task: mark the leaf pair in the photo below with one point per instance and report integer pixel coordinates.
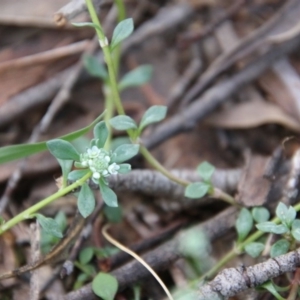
(152, 115)
(121, 31)
(197, 190)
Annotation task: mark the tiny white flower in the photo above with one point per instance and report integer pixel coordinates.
(107, 158)
(90, 162)
(93, 152)
(113, 168)
(93, 169)
(105, 173)
(96, 175)
(84, 163)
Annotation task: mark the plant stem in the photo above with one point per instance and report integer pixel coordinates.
(107, 57)
(154, 163)
(27, 214)
(223, 196)
(117, 50)
(240, 248)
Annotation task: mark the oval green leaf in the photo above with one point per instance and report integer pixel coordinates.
(86, 201)
(136, 77)
(108, 195)
(86, 255)
(244, 224)
(153, 114)
(94, 67)
(105, 286)
(121, 32)
(77, 174)
(125, 152)
(271, 227)
(296, 229)
(124, 168)
(122, 123)
(63, 150)
(206, 170)
(254, 249)
(280, 247)
(49, 225)
(260, 214)
(196, 190)
(113, 214)
(101, 134)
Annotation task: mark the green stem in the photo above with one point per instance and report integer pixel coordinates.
(240, 248)
(154, 163)
(27, 214)
(117, 51)
(217, 193)
(107, 57)
(109, 106)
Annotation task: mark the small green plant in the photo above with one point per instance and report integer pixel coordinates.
(97, 162)
(199, 189)
(49, 240)
(85, 265)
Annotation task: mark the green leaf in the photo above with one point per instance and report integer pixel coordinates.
(66, 166)
(280, 247)
(63, 150)
(86, 24)
(122, 123)
(77, 174)
(254, 249)
(270, 287)
(136, 77)
(125, 152)
(260, 214)
(194, 243)
(94, 67)
(196, 190)
(101, 134)
(86, 255)
(121, 32)
(14, 152)
(113, 214)
(296, 229)
(124, 168)
(244, 224)
(108, 195)
(291, 215)
(115, 143)
(86, 200)
(105, 286)
(49, 225)
(206, 171)
(61, 220)
(286, 215)
(153, 114)
(271, 227)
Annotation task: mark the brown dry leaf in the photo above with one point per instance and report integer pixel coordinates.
(253, 188)
(283, 86)
(252, 114)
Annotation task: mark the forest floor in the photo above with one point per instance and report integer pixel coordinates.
(229, 73)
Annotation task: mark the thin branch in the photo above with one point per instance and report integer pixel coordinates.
(161, 257)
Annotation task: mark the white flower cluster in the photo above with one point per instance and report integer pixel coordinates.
(98, 161)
